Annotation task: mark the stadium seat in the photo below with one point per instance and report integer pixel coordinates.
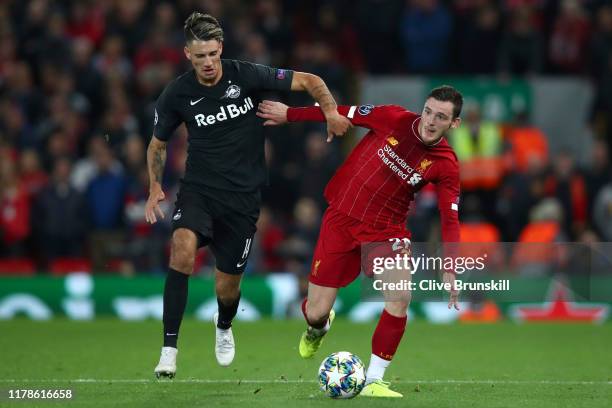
(17, 266)
(64, 266)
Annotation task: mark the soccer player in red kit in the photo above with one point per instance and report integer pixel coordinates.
(368, 198)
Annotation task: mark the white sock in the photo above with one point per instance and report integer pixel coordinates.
(376, 369)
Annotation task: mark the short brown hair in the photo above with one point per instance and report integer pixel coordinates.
(202, 27)
(447, 93)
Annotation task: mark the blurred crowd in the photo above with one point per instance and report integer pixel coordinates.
(79, 80)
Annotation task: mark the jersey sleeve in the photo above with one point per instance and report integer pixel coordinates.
(166, 118)
(265, 78)
(447, 188)
(367, 116)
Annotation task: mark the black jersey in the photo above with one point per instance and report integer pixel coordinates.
(226, 142)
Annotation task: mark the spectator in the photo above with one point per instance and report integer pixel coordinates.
(518, 194)
(86, 22)
(537, 252)
(28, 99)
(14, 125)
(274, 29)
(528, 144)
(85, 169)
(32, 176)
(53, 46)
(8, 51)
(599, 172)
(14, 209)
(478, 235)
(425, 31)
(479, 42)
(568, 186)
(144, 243)
(256, 50)
(119, 120)
(376, 22)
(479, 147)
(61, 216)
(602, 105)
(601, 42)
(133, 157)
(112, 60)
(88, 80)
(267, 242)
(522, 46)
(602, 212)
(569, 39)
(57, 145)
(318, 168)
(106, 199)
(156, 50)
(316, 57)
(166, 21)
(307, 217)
(105, 192)
(282, 192)
(336, 28)
(127, 21)
(302, 236)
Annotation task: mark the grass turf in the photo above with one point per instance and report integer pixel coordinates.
(110, 363)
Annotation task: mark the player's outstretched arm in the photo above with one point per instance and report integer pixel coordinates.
(277, 113)
(156, 161)
(274, 112)
(337, 125)
(448, 190)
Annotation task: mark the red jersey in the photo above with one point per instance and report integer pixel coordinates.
(379, 179)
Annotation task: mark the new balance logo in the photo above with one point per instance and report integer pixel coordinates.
(231, 110)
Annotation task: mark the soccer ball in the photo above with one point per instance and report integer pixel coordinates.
(342, 375)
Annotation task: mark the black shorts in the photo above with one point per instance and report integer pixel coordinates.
(224, 220)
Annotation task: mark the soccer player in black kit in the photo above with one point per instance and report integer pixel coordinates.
(219, 197)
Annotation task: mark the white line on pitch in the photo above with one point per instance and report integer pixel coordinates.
(282, 381)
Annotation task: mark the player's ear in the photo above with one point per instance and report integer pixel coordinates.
(455, 123)
(187, 53)
(220, 48)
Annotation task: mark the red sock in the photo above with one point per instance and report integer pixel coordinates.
(388, 335)
(315, 325)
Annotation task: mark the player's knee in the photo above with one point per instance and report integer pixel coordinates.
(227, 290)
(180, 261)
(183, 251)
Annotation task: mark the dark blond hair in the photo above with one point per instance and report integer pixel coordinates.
(202, 27)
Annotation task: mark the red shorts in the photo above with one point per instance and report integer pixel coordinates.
(338, 255)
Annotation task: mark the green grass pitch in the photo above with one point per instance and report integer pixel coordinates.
(110, 363)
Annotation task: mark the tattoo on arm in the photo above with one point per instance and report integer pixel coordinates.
(156, 159)
(323, 96)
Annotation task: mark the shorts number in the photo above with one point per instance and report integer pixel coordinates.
(247, 247)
